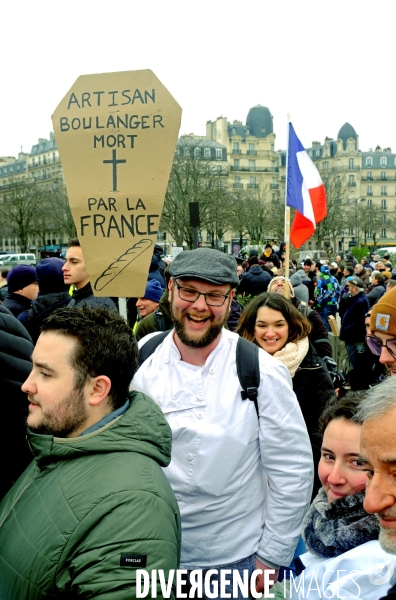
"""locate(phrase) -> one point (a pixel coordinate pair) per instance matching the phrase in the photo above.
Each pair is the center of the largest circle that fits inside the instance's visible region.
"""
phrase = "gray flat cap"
(205, 264)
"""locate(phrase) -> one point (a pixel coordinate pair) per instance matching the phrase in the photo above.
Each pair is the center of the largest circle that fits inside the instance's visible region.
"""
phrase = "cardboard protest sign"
(116, 134)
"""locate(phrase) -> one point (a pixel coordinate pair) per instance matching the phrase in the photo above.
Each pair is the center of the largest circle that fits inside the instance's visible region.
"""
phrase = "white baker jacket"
(243, 485)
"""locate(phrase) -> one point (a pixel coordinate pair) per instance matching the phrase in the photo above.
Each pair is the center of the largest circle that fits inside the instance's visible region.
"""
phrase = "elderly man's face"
(378, 449)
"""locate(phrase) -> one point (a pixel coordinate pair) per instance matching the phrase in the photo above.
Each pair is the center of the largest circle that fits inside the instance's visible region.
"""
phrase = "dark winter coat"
(17, 303)
(353, 329)
(313, 387)
(85, 296)
(254, 282)
(15, 365)
(41, 308)
(85, 506)
(376, 293)
(3, 292)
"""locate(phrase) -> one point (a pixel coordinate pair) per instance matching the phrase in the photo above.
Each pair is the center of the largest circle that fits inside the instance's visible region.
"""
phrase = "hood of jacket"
(49, 300)
(142, 429)
(256, 270)
(296, 279)
(50, 275)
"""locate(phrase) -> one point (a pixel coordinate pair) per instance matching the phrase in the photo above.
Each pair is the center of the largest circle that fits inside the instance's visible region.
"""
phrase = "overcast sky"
(325, 63)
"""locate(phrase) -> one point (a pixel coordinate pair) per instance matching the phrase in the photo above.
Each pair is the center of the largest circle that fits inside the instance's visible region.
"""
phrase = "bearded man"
(223, 454)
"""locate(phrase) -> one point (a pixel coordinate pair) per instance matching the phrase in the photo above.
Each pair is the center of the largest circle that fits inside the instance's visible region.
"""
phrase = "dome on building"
(346, 132)
(259, 121)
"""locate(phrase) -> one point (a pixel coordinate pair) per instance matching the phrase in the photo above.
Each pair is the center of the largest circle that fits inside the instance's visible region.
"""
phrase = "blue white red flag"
(304, 190)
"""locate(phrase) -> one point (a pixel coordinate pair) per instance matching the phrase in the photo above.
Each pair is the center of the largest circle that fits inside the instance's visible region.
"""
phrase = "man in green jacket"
(94, 505)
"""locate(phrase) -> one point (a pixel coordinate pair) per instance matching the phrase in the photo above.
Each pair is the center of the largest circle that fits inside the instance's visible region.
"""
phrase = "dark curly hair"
(105, 345)
(345, 407)
(299, 326)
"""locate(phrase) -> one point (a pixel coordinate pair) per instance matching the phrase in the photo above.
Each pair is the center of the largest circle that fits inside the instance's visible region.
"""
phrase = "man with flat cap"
(243, 480)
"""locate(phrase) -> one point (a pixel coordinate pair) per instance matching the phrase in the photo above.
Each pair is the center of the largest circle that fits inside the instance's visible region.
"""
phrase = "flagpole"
(287, 220)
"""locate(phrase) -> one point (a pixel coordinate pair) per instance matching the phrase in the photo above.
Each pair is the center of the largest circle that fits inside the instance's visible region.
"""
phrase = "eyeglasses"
(211, 298)
(375, 345)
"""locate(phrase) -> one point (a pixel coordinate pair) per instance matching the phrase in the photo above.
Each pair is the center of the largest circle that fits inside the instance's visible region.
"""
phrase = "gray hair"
(378, 401)
(359, 268)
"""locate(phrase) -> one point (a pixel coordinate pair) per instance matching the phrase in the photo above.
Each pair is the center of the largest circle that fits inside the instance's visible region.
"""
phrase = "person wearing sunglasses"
(381, 339)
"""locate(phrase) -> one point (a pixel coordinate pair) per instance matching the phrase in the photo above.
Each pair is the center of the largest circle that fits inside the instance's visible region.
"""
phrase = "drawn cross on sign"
(115, 162)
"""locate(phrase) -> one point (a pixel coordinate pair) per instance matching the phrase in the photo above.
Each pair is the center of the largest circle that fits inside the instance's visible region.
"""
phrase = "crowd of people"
(205, 433)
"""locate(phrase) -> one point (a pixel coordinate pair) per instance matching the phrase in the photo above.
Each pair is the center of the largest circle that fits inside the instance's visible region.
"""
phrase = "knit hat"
(383, 314)
(20, 276)
(281, 278)
(153, 291)
(206, 264)
(356, 281)
(325, 269)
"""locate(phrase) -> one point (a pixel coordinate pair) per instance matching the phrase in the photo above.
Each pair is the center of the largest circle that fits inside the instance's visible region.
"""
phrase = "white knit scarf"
(293, 354)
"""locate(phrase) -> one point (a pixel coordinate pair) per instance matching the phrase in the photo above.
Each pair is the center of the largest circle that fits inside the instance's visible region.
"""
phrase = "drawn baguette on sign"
(122, 262)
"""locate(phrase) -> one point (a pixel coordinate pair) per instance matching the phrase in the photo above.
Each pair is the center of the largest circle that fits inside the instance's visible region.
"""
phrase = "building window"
(369, 161)
(325, 165)
(369, 190)
(252, 165)
(237, 182)
(236, 148)
(252, 182)
(369, 203)
(383, 161)
(219, 154)
(236, 163)
(351, 163)
(206, 152)
(383, 175)
(317, 152)
(251, 149)
(219, 184)
(383, 190)
(383, 204)
(186, 152)
(383, 219)
(369, 176)
(383, 232)
(352, 180)
(351, 145)
(197, 152)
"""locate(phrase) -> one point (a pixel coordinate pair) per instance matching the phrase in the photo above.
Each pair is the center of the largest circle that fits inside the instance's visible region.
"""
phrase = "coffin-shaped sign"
(116, 134)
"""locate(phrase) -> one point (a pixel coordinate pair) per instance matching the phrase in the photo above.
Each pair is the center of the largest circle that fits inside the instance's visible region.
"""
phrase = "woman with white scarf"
(273, 323)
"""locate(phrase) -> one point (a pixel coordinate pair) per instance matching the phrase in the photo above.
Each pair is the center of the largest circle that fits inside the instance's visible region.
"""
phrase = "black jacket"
(85, 296)
(15, 365)
(254, 282)
(353, 329)
(313, 387)
(17, 303)
(41, 308)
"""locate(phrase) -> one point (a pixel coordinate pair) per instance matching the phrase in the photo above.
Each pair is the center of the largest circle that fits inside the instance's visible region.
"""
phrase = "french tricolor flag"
(304, 190)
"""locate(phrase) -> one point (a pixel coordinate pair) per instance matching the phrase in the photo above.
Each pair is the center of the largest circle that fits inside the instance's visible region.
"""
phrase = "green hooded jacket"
(88, 507)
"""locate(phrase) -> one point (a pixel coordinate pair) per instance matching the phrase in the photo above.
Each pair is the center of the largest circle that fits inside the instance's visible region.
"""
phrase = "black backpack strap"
(151, 345)
(248, 369)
